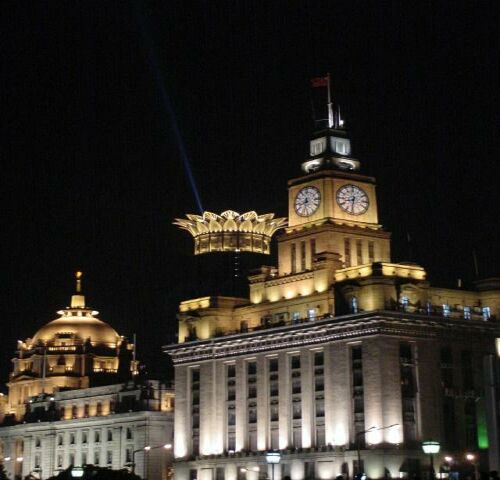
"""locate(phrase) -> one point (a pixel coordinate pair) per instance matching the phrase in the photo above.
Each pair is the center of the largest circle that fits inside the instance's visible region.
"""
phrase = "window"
(273, 364)
(354, 305)
(59, 461)
(347, 252)
(37, 442)
(71, 458)
(97, 436)
(244, 326)
(486, 313)
(86, 409)
(293, 258)
(84, 437)
(60, 440)
(74, 411)
(446, 310)
(311, 313)
(84, 458)
(231, 417)
(252, 368)
(318, 359)
(467, 313)
(37, 461)
(110, 435)
(371, 252)
(97, 458)
(295, 317)
(295, 361)
(71, 438)
(128, 455)
(129, 434)
(99, 409)
(405, 302)
(359, 252)
(302, 256)
(109, 457)
(297, 410)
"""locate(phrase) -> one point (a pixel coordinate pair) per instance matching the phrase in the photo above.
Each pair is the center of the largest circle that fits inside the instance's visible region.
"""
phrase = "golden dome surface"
(77, 322)
(82, 326)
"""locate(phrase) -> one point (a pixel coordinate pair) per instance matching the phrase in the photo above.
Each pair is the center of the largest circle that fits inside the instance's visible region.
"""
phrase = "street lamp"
(431, 448)
(77, 472)
(273, 458)
(472, 459)
(371, 429)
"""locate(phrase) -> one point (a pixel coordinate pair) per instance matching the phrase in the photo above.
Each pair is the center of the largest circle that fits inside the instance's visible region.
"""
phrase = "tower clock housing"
(332, 209)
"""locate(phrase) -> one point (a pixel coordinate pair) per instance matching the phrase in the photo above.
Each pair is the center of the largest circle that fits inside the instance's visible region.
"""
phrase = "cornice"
(396, 324)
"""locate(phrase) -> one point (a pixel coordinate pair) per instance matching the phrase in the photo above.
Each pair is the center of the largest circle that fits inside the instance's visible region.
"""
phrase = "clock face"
(307, 201)
(352, 199)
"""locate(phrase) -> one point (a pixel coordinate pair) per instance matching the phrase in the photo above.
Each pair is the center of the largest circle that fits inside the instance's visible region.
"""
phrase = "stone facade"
(337, 350)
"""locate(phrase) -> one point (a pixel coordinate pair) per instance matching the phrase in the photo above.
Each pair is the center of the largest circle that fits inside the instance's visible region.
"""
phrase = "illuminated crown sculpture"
(231, 232)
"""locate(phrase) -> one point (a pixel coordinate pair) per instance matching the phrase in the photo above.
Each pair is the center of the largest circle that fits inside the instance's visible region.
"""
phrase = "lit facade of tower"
(336, 349)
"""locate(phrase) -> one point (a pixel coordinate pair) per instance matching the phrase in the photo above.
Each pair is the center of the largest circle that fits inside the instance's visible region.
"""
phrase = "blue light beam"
(167, 104)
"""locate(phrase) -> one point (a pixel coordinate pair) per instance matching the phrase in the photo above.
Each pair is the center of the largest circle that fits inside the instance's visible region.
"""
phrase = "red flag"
(319, 82)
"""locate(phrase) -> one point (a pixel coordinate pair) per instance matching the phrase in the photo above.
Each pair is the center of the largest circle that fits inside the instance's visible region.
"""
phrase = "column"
(337, 393)
(284, 398)
(181, 417)
(262, 404)
(307, 389)
(241, 405)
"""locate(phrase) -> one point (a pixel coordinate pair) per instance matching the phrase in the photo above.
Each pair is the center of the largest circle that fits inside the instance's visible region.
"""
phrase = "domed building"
(76, 350)
(75, 399)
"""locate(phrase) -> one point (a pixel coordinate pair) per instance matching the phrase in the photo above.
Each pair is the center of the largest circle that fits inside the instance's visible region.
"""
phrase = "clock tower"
(332, 209)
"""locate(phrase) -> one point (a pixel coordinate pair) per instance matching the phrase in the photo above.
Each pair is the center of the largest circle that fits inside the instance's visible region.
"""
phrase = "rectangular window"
(446, 310)
(486, 313)
(371, 252)
(313, 250)
(311, 314)
(295, 317)
(302, 256)
(295, 362)
(467, 313)
(359, 252)
(251, 368)
(109, 457)
(347, 252)
(84, 458)
(273, 364)
(293, 258)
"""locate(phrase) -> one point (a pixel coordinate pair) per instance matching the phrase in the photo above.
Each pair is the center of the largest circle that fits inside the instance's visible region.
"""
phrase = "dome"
(80, 324)
(77, 322)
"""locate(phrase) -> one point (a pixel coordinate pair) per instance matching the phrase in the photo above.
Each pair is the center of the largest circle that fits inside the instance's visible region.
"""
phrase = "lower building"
(76, 397)
(107, 426)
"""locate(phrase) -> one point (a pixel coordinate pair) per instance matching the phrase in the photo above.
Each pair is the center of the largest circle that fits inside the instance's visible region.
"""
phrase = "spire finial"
(78, 276)
(78, 300)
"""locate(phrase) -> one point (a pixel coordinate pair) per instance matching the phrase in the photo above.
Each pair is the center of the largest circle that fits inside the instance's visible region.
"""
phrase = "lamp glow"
(430, 447)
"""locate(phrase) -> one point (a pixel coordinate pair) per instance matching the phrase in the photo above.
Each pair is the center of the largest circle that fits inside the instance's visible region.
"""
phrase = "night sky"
(92, 169)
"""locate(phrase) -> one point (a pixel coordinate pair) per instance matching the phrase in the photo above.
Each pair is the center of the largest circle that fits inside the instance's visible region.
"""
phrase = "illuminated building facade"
(334, 341)
(76, 397)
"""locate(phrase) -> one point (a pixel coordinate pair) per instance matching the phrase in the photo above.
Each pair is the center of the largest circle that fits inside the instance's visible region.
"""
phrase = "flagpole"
(330, 111)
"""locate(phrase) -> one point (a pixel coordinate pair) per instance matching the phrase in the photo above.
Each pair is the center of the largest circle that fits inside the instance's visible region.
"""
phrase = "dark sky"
(92, 174)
